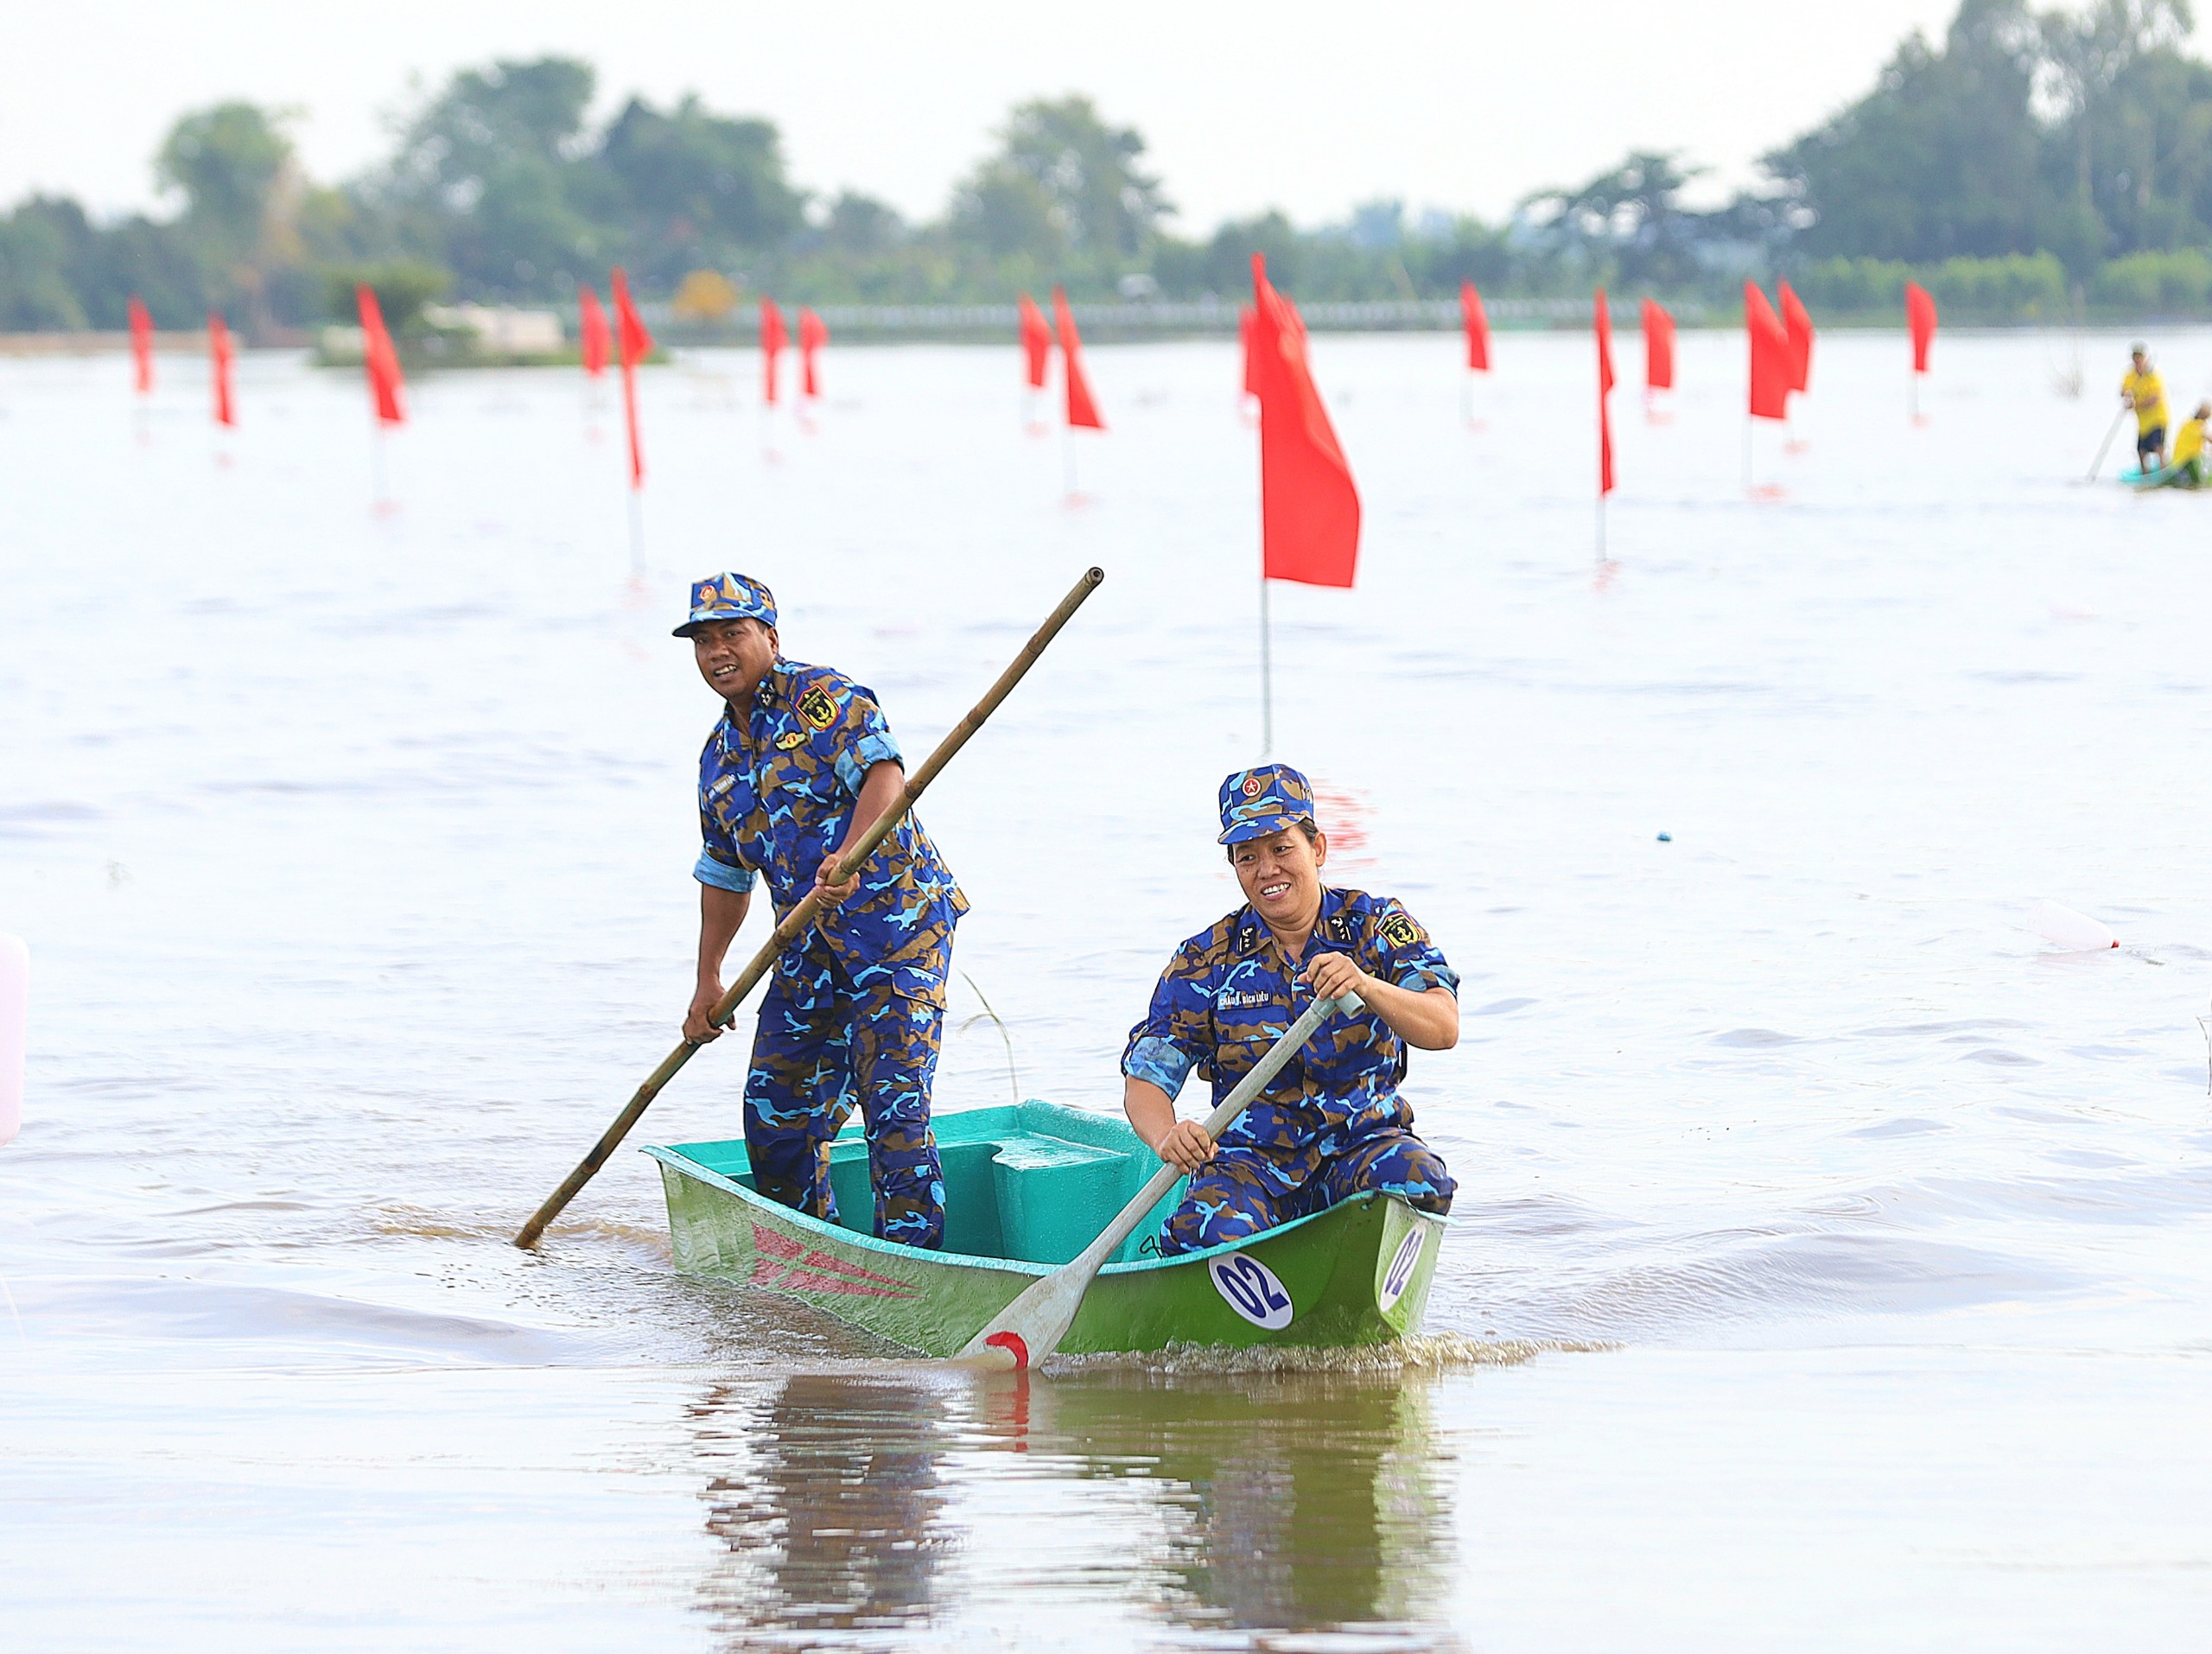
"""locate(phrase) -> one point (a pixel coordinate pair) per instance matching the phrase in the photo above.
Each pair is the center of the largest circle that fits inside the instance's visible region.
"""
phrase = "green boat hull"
(1027, 1187)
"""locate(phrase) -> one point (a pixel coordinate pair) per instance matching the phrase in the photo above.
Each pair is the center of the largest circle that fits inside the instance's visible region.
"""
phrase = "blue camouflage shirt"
(776, 790)
(1227, 995)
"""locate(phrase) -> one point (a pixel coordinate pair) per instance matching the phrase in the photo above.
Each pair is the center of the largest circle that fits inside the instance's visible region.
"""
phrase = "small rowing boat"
(2170, 477)
(1027, 1187)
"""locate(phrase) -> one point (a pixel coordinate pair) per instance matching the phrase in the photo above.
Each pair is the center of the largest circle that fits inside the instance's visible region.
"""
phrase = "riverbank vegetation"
(2026, 166)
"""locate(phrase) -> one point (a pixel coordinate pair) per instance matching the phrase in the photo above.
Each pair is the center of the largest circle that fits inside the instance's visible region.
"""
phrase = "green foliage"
(2016, 288)
(2012, 288)
(2153, 283)
(1854, 286)
(485, 183)
(402, 288)
(227, 162)
(1064, 192)
(235, 168)
(694, 187)
(1629, 220)
(59, 272)
(2018, 160)
(1941, 159)
(2086, 136)
(41, 246)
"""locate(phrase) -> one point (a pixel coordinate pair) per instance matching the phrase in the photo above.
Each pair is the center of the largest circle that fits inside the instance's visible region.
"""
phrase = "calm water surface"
(1832, 1267)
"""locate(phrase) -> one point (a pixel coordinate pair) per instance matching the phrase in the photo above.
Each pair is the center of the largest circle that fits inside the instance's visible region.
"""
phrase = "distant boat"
(1026, 1186)
(2168, 477)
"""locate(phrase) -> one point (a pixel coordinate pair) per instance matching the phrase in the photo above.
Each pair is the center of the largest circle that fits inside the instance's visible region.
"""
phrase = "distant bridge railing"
(1209, 315)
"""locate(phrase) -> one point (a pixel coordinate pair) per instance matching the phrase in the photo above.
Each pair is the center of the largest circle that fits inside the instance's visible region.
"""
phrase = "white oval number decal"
(1252, 1290)
(1402, 1267)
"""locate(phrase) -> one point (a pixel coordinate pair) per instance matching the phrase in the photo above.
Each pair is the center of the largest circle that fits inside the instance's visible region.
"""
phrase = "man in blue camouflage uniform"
(801, 764)
(1331, 1124)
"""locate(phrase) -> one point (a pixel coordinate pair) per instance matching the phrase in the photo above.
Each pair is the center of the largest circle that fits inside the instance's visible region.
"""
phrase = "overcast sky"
(1461, 104)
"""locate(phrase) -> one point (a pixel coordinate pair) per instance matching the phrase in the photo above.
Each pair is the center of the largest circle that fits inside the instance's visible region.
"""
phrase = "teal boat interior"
(1034, 1181)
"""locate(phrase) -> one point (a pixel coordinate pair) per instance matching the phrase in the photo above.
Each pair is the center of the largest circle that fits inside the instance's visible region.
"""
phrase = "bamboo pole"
(794, 924)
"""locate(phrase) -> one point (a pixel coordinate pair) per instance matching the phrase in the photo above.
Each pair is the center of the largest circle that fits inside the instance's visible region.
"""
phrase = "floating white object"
(2076, 932)
(14, 1018)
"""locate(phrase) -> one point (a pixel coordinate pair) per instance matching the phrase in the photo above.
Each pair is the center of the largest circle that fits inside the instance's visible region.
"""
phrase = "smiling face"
(733, 656)
(1281, 877)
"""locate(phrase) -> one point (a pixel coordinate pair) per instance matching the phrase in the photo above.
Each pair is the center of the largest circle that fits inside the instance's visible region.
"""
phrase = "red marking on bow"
(766, 1239)
(778, 1264)
(1013, 1345)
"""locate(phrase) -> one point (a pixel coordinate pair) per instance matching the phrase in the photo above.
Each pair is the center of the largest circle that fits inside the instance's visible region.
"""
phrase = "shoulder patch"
(790, 739)
(1399, 930)
(816, 708)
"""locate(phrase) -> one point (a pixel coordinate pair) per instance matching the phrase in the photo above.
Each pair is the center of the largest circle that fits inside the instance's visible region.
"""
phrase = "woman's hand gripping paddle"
(1031, 1328)
(793, 924)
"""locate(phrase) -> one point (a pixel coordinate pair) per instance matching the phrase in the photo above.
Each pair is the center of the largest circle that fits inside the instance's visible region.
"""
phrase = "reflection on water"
(852, 1507)
(830, 1496)
(1306, 1501)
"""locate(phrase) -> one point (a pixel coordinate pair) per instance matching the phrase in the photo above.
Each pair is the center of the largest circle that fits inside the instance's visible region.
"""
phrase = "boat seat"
(1053, 1195)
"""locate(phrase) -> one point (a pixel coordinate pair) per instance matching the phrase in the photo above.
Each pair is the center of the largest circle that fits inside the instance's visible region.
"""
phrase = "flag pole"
(1267, 676)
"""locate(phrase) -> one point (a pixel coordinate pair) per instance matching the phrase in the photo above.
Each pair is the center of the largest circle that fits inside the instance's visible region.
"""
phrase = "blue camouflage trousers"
(821, 1044)
(1231, 1197)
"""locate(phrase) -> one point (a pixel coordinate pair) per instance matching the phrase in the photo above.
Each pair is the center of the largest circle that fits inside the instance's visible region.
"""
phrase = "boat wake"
(1434, 1353)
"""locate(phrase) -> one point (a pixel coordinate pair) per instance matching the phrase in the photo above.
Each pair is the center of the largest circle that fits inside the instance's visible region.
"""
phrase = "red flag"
(1601, 322)
(1477, 322)
(219, 359)
(1309, 505)
(636, 343)
(1920, 316)
(378, 358)
(1658, 346)
(1082, 410)
(1770, 356)
(141, 345)
(1036, 341)
(1797, 330)
(772, 341)
(591, 331)
(1246, 320)
(813, 333)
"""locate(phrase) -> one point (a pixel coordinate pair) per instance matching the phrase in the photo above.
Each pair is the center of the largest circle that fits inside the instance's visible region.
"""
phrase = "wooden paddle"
(795, 922)
(1031, 1328)
(2098, 464)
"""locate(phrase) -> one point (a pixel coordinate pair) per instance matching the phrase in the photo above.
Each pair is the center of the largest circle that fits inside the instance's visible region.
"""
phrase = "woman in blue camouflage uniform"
(802, 763)
(1331, 1124)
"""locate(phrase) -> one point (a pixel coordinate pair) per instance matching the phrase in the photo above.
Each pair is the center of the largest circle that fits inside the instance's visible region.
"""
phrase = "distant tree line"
(2026, 164)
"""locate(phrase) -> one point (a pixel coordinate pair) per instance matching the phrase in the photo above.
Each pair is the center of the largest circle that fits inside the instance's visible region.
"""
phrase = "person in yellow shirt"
(2145, 392)
(2188, 469)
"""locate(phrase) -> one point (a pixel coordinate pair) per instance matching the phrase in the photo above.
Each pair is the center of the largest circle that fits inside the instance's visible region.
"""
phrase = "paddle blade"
(1036, 1322)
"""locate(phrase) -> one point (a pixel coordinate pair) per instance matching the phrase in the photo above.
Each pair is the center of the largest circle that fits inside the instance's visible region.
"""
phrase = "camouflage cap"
(727, 597)
(1262, 800)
